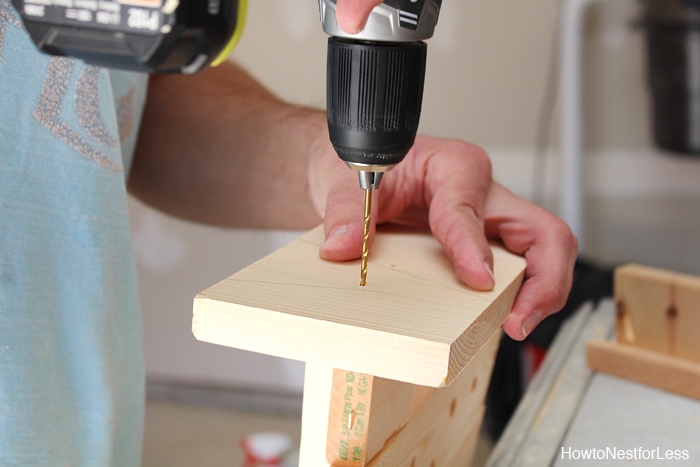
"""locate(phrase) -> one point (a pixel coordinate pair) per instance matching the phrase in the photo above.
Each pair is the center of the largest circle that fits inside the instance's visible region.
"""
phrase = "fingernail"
(530, 323)
(337, 232)
(350, 28)
(489, 269)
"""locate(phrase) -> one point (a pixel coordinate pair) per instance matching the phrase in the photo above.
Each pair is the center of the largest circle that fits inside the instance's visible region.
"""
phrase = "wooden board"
(413, 322)
(671, 373)
(429, 427)
(365, 411)
(658, 310)
(318, 384)
(444, 431)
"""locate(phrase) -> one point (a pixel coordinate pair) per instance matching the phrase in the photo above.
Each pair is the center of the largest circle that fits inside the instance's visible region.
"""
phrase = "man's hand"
(447, 185)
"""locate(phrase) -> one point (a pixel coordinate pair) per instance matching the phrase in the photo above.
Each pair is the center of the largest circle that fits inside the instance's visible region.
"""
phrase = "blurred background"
(491, 80)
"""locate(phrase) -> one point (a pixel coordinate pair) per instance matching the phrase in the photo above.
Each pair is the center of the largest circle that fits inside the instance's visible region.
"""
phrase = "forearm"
(218, 148)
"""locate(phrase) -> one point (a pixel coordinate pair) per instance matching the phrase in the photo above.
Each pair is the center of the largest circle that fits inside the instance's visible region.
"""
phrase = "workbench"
(569, 411)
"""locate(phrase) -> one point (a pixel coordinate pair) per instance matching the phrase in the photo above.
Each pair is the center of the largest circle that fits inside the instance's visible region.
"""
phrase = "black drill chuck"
(374, 97)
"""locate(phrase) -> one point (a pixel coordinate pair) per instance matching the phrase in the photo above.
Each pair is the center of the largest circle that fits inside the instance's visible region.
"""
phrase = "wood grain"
(658, 310)
(442, 432)
(663, 371)
(318, 383)
(365, 412)
(413, 322)
(433, 427)
(657, 317)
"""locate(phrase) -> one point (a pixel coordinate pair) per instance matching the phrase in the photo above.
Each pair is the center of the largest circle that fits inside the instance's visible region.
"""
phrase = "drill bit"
(365, 237)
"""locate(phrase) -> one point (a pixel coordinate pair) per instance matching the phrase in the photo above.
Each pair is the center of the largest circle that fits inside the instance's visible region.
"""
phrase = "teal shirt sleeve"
(71, 363)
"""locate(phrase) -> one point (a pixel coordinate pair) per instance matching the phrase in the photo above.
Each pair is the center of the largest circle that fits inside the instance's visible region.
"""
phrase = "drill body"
(375, 84)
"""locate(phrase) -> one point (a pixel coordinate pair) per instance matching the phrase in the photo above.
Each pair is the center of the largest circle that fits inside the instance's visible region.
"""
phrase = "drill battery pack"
(154, 36)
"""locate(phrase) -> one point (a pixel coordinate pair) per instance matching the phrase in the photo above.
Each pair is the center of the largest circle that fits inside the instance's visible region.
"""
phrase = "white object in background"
(266, 448)
(572, 204)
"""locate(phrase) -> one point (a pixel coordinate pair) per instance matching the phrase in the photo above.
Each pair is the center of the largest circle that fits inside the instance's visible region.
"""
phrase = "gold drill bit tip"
(365, 237)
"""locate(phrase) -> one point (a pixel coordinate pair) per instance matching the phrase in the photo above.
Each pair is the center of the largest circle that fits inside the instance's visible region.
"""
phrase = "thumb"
(351, 15)
(344, 223)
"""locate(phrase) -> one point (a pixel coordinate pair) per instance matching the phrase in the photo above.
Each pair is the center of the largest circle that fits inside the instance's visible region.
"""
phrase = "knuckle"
(480, 158)
(562, 234)
(475, 156)
(556, 296)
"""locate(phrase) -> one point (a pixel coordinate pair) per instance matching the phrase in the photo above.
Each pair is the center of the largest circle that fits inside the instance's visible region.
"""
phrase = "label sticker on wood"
(348, 419)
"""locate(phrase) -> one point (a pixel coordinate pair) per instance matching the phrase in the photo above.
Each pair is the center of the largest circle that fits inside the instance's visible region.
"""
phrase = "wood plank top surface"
(413, 321)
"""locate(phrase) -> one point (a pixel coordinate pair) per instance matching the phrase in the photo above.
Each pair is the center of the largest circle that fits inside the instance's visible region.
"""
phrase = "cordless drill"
(375, 89)
(154, 36)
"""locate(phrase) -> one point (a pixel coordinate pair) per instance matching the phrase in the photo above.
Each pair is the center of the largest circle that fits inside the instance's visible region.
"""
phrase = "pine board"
(658, 310)
(413, 322)
(663, 371)
(441, 429)
(444, 431)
